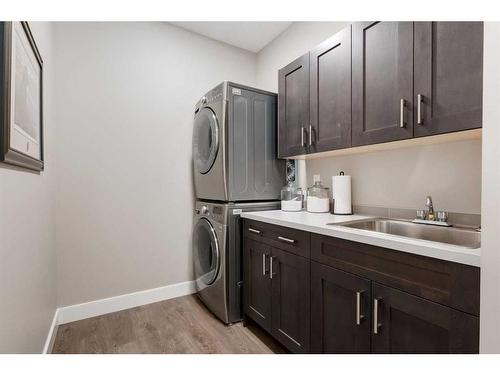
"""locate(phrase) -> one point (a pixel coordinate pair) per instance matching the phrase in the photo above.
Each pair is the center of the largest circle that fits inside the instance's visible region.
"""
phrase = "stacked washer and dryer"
(235, 170)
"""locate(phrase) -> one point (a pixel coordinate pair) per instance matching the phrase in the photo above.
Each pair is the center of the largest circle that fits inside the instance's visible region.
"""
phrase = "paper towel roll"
(341, 191)
(301, 173)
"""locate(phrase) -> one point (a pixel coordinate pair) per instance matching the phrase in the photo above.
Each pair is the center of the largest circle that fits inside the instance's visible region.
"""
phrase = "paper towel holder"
(332, 211)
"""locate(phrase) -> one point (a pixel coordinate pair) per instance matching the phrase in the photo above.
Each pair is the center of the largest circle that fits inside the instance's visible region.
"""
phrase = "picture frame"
(21, 94)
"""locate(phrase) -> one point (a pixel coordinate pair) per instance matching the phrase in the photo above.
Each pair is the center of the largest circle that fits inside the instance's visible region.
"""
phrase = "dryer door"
(205, 139)
(206, 252)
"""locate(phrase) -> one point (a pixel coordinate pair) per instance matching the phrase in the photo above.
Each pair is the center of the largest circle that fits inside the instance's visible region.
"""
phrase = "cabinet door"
(257, 283)
(293, 107)
(340, 311)
(330, 84)
(448, 76)
(382, 82)
(290, 300)
(403, 323)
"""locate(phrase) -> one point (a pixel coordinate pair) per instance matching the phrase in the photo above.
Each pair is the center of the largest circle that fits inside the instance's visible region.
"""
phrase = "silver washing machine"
(235, 145)
(217, 255)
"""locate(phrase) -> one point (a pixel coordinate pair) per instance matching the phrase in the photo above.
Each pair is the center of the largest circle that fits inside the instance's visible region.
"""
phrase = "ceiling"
(252, 36)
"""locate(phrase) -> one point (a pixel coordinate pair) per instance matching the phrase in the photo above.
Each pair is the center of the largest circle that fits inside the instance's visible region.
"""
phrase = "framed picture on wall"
(21, 109)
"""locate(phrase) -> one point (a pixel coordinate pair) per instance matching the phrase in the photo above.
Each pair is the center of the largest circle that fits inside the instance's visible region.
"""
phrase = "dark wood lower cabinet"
(320, 294)
(290, 300)
(410, 324)
(340, 311)
(257, 291)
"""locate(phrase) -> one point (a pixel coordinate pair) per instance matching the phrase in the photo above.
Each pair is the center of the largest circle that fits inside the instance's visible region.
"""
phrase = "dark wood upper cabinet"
(377, 82)
(403, 323)
(340, 311)
(330, 94)
(293, 107)
(257, 290)
(448, 76)
(290, 300)
(382, 82)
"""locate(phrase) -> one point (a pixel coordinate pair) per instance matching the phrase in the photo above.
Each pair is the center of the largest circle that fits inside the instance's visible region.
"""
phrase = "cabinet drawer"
(452, 284)
(291, 240)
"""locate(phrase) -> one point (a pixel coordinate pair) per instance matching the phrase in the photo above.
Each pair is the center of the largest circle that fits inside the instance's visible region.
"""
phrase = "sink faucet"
(430, 208)
(430, 216)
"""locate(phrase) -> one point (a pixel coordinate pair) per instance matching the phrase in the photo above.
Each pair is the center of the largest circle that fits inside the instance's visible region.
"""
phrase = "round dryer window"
(205, 252)
(205, 140)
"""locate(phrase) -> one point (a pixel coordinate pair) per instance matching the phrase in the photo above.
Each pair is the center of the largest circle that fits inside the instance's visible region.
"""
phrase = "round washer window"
(205, 140)
(205, 252)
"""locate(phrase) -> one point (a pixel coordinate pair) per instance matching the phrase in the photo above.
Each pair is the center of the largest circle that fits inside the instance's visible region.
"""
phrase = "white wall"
(125, 97)
(27, 233)
(299, 38)
(490, 237)
(401, 178)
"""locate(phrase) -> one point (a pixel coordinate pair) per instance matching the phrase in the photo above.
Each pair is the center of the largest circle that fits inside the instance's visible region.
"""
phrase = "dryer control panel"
(213, 95)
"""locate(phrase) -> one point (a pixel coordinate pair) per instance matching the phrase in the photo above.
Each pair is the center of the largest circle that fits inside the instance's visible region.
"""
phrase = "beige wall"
(402, 178)
(490, 237)
(125, 96)
(449, 172)
(27, 235)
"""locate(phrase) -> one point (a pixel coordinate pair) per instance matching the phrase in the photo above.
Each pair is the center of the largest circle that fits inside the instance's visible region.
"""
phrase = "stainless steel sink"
(465, 237)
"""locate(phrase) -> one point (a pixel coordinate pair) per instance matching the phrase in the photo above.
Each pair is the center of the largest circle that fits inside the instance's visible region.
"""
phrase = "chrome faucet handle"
(442, 216)
(421, 214)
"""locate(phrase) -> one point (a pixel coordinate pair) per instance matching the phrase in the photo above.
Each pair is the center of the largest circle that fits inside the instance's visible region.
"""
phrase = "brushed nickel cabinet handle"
(402, 105)
(303, 138)
(289, 240)
(420, 99)
(376, 324)
(264, 264)
(311, 130)
(359, 316)
(254, 231)
(271, 267)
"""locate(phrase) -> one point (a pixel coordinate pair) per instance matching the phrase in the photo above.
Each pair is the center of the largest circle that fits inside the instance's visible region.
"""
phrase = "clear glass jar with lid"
(318, 196)
(291, 197)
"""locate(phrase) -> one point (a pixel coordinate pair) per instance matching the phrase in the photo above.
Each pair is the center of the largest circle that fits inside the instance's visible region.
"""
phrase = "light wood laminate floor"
(179, 325)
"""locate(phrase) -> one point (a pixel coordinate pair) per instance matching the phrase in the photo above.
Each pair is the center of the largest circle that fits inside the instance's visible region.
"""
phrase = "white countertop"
(317, 223)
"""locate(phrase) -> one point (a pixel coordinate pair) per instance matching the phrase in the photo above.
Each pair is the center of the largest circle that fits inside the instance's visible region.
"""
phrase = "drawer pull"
(359, 316)
(256, 231)
(289, 240)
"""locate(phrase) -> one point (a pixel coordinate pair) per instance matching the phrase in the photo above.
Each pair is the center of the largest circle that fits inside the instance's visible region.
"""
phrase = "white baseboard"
(86, 310)
(51, 336)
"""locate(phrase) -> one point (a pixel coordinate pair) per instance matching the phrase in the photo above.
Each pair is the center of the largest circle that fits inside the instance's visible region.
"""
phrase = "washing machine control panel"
(217, 213)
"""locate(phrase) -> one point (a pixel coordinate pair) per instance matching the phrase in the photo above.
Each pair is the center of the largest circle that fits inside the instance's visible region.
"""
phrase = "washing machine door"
(205, 139)
(206, 253)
